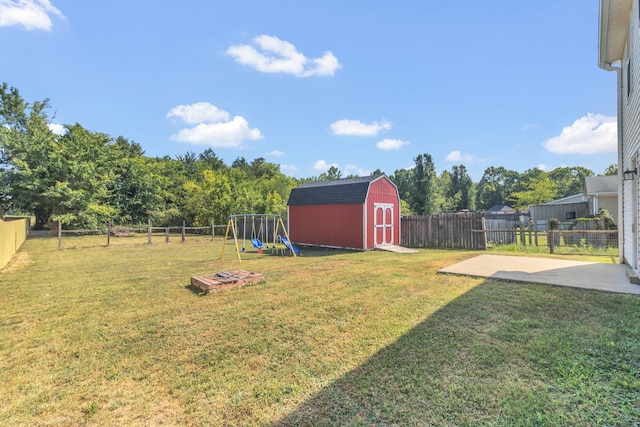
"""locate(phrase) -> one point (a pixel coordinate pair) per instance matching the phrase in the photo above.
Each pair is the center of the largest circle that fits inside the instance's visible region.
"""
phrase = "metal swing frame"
(231, 227)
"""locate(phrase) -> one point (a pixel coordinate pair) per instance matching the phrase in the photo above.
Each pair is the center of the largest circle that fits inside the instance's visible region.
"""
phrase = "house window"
(570, 215)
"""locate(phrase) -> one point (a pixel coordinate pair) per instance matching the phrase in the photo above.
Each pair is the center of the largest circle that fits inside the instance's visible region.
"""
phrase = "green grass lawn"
(115, 336)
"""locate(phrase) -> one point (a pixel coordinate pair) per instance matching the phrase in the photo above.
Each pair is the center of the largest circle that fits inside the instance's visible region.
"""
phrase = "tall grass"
(116, 336)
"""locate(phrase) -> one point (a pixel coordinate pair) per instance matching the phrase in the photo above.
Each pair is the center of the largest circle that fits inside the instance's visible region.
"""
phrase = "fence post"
(484, 233)
(149, 231)
(183, 232)
(108, 233)
(166, 235)
(550, 238)
(213, 234)
(59, 235)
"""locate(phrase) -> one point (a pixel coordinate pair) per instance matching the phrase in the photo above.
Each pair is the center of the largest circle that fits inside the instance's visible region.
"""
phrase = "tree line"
(84, 179)
(425, 192)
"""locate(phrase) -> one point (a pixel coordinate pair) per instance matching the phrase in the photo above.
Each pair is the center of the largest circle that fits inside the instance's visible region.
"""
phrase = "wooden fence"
(473, 230)
(245, 231)
(13, 232)
(149, 231)
(445, 231)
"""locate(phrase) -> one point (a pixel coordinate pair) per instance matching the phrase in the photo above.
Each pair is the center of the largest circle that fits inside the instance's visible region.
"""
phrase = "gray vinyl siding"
(631, 133)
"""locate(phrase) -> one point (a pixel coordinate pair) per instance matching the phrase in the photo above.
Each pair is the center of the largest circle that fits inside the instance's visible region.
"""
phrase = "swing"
(255, 237)
(257, 233)
(266, 233)
(244, 234)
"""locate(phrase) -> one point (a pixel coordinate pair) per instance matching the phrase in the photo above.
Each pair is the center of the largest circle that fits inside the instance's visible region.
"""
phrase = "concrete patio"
(576, 274)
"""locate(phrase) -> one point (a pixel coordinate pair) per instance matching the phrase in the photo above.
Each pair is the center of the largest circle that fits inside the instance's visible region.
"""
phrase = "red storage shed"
(356, 213)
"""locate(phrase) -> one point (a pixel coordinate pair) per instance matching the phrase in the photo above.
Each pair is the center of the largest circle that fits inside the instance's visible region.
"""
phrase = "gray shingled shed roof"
(500, 208)
(601, 185)
(344, 191)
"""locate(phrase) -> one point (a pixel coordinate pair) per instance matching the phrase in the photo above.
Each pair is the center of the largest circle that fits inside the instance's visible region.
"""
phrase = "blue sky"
(360, 85)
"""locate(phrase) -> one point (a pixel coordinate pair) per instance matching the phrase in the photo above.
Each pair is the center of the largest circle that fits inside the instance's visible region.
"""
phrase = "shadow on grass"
(307, 252)
(501, 354)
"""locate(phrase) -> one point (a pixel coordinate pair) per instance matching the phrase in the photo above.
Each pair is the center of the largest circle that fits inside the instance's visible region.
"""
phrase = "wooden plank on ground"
(225, 280)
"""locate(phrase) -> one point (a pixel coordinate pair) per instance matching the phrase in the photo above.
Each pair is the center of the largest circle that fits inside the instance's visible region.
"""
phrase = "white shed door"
(383, 218)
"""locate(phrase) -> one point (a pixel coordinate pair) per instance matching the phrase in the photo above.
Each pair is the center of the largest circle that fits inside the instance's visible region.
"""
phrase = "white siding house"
(601, 192)
(619, 51)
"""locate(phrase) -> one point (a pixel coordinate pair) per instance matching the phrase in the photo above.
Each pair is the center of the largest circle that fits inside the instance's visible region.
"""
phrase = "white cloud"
(31, 14)
(590, 134)
(323, 166)
(543, 167)
(457, 156)
(391, 144)
(356, 127)
(57, 129)
(454, 156)
(529, 126)
(199, 112)
(213, 127)
(226, 135)
(327, 65)
(275, 153)
(280, 56)
(288, 169)
(355, 170)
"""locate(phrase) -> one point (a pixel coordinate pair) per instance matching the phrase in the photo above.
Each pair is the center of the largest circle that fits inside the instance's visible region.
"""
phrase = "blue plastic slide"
(290, 245)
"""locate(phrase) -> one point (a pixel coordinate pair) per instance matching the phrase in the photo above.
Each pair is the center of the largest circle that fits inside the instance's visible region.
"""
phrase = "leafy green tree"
(144, 188)
(245, 197)
(443, 201)
(461, 189)
(405, 210)
(274, 193)
(569, 180)
(261, 168)
(402, 178)
(57, 178)
(274, 203)
(189, 162)
(209, 199)
(78, 178)
(166, 197)
(423, 186)
(527, 177)
(612, 169)
(332, 173)
(539, 190)
(495, 187)
(241, 164)
(25, 143)
(211, 160)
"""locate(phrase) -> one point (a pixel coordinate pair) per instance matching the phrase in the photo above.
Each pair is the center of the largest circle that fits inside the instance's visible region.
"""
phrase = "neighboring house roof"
(335, 192)
(612, 32)
(500, 208)
(601, 185)
(576, 198)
